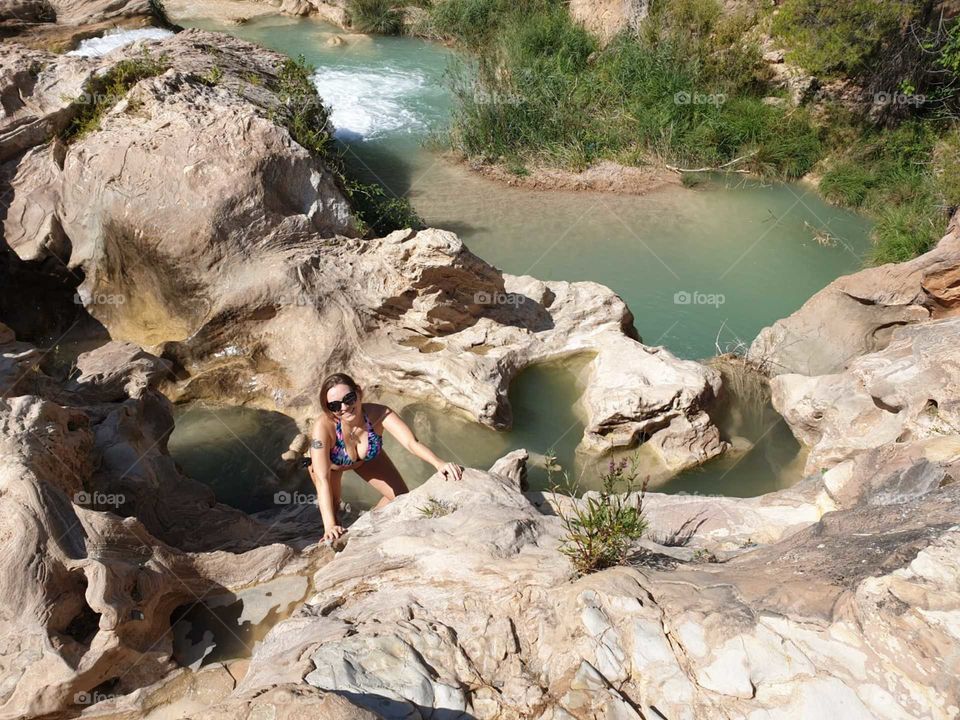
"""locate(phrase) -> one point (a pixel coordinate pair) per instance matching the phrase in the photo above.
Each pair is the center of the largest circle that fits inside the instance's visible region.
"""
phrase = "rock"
(773, 56)
(824, 613)
(513, 466)
(117, 371)
(856, 314)
(607, 18)
(103, 538)
(908, 391)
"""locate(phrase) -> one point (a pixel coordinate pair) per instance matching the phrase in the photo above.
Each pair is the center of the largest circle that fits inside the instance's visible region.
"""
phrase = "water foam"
(113, 39)
(368, 103)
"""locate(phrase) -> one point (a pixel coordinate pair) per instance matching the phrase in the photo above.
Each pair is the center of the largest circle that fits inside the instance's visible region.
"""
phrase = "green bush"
(382, 17)
(301, 109)
(600, 530)
(378, 212)
(105, 91)
(841, 37)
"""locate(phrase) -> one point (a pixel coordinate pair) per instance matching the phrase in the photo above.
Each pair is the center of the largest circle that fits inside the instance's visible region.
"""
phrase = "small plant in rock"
(104, 92)
(600, 529)
(213, 76)
(435, 508)
(300, 109)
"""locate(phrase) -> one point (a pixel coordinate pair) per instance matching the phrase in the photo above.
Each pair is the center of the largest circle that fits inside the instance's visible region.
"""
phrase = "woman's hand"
(451, 471)
(333, 533)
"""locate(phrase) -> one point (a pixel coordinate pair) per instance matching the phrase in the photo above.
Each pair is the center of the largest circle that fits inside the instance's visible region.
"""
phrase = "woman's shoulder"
(321, 426)
(376, 412)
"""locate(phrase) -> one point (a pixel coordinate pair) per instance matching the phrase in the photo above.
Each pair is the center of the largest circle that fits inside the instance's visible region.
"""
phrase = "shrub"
(378, 212)
(300, 109)
(832, 37)
(599, 531)
(107, 90)
(382, 17)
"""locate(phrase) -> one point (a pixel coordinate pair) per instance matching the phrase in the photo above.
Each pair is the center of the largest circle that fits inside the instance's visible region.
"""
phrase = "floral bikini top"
(338, 454)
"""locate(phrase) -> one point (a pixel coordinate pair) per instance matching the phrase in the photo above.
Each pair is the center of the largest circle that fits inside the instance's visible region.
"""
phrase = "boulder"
(856, 314)
(908, 391)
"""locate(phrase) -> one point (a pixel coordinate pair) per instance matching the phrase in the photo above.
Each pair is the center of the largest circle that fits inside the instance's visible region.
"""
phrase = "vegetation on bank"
(691, 89)
(302, 112)
(382, 17)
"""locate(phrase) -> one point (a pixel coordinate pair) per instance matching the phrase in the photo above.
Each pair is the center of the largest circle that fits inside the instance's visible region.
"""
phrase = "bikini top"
(338, 454)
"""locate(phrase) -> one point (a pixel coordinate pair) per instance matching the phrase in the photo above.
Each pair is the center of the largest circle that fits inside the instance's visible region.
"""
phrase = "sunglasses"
(349, 399)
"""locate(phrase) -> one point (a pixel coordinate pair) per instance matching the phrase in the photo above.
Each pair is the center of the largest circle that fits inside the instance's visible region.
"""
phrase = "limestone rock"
(910, 390)
(607, 18)
(88, 498)
(856, 314)
(476, 613)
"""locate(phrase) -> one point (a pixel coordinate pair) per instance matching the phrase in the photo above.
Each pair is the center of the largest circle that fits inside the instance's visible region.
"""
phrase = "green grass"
(906, 178)
(382, 17)
(688, 90)
(105, 91)
(541, 90)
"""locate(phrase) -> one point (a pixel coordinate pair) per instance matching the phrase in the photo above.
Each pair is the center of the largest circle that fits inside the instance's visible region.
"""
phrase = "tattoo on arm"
(316, 445)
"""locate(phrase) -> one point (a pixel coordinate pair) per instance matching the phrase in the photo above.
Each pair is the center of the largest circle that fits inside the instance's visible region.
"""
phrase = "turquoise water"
(702, 269)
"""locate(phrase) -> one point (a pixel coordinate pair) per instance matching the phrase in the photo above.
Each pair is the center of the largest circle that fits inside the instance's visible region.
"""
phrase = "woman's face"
(348, 412)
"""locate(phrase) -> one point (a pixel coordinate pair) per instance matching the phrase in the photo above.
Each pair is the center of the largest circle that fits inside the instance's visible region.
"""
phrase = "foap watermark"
(683, 297)
(498, 298)
(294, 498)
(482, 96)
(696, 98)
(90, 697)
(899, 98)
(99, 298)
(99, 499)
(299, 299)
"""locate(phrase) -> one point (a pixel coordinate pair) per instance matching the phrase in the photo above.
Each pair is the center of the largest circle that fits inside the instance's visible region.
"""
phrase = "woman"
(349, 436)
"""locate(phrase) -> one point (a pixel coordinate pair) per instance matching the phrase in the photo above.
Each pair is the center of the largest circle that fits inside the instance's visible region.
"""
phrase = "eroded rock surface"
(96, 524)
(476, 613)
(908, 391)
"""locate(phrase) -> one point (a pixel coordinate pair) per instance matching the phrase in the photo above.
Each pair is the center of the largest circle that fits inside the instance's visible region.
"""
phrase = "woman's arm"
(404, 435)
(320, 464)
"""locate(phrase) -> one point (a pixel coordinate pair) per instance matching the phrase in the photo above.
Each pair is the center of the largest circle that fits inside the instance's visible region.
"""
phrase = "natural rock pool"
(702, 269)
